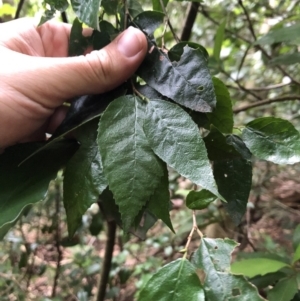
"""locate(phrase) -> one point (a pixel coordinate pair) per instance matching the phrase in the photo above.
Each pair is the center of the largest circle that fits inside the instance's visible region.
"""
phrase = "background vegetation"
(261, 72)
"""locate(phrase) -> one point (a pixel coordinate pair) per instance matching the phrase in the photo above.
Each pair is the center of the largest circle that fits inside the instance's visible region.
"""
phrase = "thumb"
(53, 80)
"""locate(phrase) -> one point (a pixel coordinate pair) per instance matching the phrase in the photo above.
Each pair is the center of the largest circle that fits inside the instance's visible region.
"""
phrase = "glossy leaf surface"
(232, 170)
(131, 168)
(273, 139)
(187, 82)
(198, 200)
(222, 115)
(213, 258)
(175, 138)
(175, 281)
(28, 183)
(87, 11)
(84, 179)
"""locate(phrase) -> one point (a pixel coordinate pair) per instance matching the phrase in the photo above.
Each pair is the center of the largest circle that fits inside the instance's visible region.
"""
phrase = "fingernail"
(130, 42)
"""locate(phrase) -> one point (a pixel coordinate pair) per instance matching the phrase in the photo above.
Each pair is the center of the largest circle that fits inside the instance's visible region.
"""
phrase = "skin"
(37, 77)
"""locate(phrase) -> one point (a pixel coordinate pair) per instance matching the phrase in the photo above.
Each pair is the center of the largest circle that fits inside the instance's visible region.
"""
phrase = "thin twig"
(207, 16)
(240, 85)
(19, 8)
(259, 47)
(271, 87)
(64, 17)
(168, 20)
(248, 19)
(57, 236)
(106, 265)
(243, 60)
(265, 102)
(189, 21)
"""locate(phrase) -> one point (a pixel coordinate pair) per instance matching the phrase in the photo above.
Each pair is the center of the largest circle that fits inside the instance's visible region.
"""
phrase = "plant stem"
(19, 8)
(265, 102)
(169, 23)
(64, 17)
(189, 21)
(109, 248)
(57, 235)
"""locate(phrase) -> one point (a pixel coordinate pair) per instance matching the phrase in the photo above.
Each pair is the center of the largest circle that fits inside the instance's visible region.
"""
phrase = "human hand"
(37, 77)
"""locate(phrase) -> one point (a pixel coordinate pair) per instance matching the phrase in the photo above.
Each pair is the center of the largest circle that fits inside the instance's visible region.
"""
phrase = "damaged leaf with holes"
(213, 260)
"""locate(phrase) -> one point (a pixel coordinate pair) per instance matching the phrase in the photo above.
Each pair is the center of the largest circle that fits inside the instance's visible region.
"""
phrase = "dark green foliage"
(213, 258)
(84, 179)
(132, 169)
(273, 139)
(187, 81)
(198, 200)
(175, 138)
(171, 113)
(232, 171)
(175, 281)
(25, 184)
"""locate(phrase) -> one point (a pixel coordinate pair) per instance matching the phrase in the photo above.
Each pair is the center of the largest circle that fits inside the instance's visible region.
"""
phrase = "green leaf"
(134, 8)
(257, 266)
(60, 5)
(222, 115)
(78, 43)
(187, 82)
(148, 21)
(28, 183)
(84, 179)
(286, 59)
(47, 15)
(177, 50)
(285, 34)
(132, 169)
(156, 4)
(232, 171)
(175, 138)
(110, 211)
(198, 200)
(100, 40)
(284, 290)
(219, 38)
(262, 282)
(213, 259)
(273, 139)
(296, 237)
(159, 203)
(107, 27)
(296, 256)
(87, 11)
(96, 225)
(176, 281)
(84, 109)
(110, 6)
